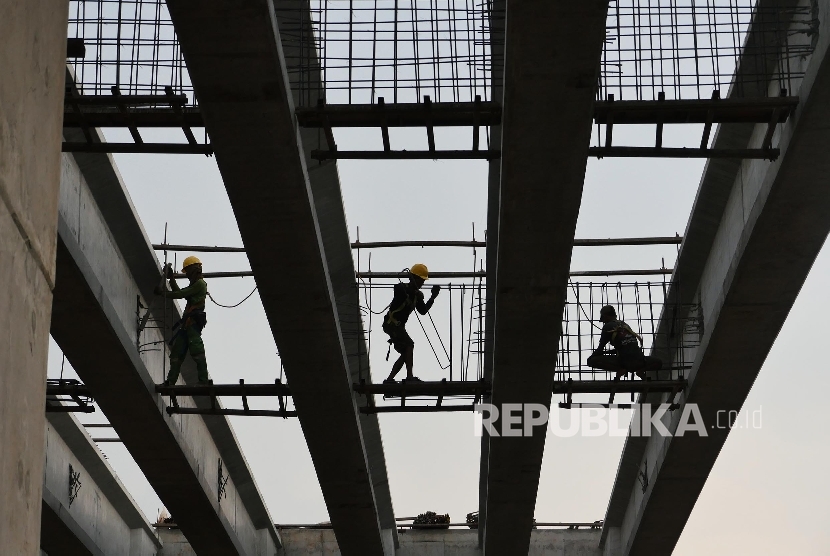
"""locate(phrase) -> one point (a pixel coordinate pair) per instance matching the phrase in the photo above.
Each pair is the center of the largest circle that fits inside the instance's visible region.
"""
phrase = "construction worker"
(628, 345)
(188, 331)
(407, 297)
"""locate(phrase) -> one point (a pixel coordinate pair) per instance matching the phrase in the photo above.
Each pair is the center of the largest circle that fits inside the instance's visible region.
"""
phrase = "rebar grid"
(641, 305)
(355, 51)
(687, 49)
(402, 50)
(130, 44)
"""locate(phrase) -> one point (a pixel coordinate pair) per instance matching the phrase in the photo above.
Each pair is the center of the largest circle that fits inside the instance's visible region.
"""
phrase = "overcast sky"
(767, 493)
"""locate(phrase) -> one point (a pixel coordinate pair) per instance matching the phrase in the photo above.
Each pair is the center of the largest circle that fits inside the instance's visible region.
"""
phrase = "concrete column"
(32, 59)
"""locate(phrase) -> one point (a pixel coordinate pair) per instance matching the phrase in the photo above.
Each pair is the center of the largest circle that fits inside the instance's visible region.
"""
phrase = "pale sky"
(767, 493)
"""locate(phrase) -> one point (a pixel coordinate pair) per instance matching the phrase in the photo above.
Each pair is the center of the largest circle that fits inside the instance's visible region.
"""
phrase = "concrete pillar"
(32, 58)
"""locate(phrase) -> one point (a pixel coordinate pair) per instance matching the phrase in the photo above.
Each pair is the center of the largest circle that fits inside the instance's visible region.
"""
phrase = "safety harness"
(623, 331)
(390, 319)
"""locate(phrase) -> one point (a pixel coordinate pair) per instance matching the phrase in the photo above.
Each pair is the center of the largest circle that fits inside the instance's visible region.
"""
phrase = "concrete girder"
(102, 519)
(334, 233)
(552, 59)
(105, 264)
(753, 235)
(497, 12)
(236, 62)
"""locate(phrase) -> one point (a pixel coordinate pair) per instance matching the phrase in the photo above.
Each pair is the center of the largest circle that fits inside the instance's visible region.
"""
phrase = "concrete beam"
(755, 230)
(497, 12)
(106, 265)
(31, 91)
(334, 233)
(102, 519)
(552, 55)
(235, 60)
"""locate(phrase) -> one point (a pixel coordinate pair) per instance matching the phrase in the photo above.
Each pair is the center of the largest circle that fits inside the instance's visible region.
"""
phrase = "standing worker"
(188, 337)
(628, 345)
(407, 297)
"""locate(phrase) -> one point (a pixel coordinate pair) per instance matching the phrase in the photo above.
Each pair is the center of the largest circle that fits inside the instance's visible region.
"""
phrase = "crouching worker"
(187, 335)
(408, 297)
(628, 345)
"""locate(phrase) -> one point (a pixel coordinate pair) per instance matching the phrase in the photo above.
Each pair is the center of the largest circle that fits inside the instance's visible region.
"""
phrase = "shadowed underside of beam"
(552, 55)
(234, 57)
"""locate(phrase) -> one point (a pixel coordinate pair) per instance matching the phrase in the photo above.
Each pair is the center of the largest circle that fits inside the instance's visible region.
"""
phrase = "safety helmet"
(608, 310)
(191, 260)
(420, 271)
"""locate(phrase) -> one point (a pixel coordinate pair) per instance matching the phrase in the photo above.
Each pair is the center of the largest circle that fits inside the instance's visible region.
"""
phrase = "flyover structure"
(753, 235)
(536, 225)
(107, 268)
(260, 153)
(542, 86)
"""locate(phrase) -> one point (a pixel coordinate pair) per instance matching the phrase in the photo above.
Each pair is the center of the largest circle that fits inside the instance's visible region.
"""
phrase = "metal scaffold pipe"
(588, 242)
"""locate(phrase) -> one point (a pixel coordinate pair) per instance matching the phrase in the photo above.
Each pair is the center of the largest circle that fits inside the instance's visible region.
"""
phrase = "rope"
(581, 308)
(430, 343)
(233, 306)
(366, 300)
(439, 335)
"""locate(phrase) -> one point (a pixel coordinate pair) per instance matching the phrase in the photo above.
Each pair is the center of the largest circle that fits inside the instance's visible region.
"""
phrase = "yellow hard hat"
(420, 271)
(191, 260)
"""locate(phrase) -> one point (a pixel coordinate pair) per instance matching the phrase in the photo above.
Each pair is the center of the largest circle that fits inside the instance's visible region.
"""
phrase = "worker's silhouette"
(408, 297)
(629, 356)
(188, 331)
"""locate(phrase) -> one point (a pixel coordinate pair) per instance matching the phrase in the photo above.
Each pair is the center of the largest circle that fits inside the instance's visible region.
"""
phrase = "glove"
(168, 271)
(435, 289)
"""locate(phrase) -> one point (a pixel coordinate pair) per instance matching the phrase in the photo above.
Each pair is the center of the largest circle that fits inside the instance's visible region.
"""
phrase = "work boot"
(390, 381)
(413, 379)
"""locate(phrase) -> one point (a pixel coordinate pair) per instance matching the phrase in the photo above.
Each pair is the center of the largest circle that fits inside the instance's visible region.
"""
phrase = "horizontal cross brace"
(599, 152)
(232, 412)
(669, 240)
(418, 388)
(483, 273)
(405, 155)
(728, 110)
(251, 390)
(439, 114)
(137, 148)
(84, 408)
(616, 386)
(105, 116)
(416, 409)
(681, 152)
(130, 100)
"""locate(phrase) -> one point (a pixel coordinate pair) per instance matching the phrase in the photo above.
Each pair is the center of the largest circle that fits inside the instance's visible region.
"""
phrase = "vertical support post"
(430, 130)
(661, 96)
(609, 124)
(384, 126)
(707, 128)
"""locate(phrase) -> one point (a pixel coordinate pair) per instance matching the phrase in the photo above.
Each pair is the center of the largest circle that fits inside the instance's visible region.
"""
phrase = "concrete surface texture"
(96, 282)
(455, 542)
(31, 108)
(99, 517)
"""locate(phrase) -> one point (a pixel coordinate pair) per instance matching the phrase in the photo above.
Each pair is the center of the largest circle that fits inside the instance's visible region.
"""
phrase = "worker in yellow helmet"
(407, 297)
(188, 331)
